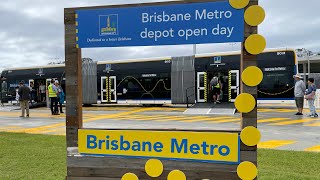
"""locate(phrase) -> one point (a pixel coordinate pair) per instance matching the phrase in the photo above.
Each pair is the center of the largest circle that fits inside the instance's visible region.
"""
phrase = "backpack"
(214, 81)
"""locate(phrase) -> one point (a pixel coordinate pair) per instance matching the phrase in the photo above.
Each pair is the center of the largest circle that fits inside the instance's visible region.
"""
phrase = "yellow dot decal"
(239, 4)
(250, 136)
(154, 168)
(247, 171)
(255, 44)
(176, 175)
(252, 76)
(245, 103)
(254, 15)
(129, 176)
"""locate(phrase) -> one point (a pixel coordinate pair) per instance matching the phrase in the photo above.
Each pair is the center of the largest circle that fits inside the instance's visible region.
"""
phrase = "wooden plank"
(248, 119)
(116, 173)
(73, 81)
(248, 156)
(171, 129)
(137, 163)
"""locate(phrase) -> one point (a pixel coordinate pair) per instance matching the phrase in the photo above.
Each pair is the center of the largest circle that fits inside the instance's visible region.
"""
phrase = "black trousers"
(54, 102)
(60, 105)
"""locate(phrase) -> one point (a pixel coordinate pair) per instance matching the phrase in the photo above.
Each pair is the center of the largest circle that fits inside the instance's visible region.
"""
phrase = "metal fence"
(89, 82)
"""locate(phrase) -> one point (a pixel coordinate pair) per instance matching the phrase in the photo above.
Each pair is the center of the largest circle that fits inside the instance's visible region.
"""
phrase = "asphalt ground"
(280, 128)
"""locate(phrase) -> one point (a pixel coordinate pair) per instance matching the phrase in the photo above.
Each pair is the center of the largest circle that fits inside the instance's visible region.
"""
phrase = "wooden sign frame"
(107, 168)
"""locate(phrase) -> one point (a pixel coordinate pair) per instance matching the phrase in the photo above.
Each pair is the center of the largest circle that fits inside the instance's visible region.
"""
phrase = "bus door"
(234, 86)
(104, 94)
(113, 88)
(31, 81)
(201, 86)
(108, 89)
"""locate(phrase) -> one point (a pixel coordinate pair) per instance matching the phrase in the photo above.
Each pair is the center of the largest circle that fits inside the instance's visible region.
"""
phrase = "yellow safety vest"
(52, 93)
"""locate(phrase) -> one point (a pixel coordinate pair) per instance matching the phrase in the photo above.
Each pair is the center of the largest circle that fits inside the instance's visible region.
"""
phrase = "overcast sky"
(32, 31)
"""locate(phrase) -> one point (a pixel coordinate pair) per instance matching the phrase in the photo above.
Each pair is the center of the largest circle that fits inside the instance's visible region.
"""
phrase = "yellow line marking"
(275, 143)
(61, 134)
(160, 118)
(60, 129)
(47, 127)
(8, 128)
(139, 118)
(272, 120)
(268, 110)
(143, 116)
(225, 120)
(294, 121)
(277, 110)
(206, 118)
(288, 110)
(173, 118)
(313, 148)
(313, 124)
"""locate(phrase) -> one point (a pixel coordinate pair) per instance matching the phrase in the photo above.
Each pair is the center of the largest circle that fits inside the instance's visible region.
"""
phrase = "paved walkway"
(280, 128)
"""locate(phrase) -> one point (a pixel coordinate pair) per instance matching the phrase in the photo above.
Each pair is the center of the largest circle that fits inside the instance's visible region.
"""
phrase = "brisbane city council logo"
(108, 24)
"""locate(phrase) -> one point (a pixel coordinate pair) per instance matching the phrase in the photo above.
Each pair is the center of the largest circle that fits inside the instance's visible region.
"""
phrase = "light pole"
(308, 56)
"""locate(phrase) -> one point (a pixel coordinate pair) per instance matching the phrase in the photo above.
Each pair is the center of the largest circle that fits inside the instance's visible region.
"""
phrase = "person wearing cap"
(60, 95)
(299, 91)
(53, 94)
(24, 97)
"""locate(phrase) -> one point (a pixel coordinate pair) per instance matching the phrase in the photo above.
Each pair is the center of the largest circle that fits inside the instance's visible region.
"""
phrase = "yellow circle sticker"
(239, 4)
(154, 167)
(245, 103)
(176, 175)
(129, 176)
(250, 136)
(247, 171)
(254, 15)
(252, 76)
(255, 44)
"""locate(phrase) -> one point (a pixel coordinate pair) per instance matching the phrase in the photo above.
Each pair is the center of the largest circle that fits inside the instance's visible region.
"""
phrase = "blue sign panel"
(108, 67)
(196, 23)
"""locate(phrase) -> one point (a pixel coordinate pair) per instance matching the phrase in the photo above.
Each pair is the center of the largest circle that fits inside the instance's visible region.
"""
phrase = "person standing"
(299, 91)
(32, 93)
(60, 95)
(42, 91)
(310, 96)
(24, 97)
(53, 91)
(216, 89)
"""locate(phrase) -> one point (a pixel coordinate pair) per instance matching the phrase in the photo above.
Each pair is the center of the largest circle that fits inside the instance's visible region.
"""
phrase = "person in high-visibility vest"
(53, 91)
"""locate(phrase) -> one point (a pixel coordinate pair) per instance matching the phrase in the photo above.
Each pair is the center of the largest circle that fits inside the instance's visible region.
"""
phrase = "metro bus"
(164, 80)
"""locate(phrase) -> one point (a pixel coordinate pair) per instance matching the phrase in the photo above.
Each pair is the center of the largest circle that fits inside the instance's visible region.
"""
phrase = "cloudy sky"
(32, 31)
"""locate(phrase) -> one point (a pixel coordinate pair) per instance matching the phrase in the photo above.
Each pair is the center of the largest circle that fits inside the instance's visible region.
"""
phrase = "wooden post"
(249, 119)
(73, 80)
